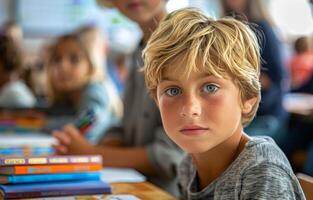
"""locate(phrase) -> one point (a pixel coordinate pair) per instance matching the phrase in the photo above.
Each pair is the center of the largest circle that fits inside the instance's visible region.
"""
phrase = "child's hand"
(72, 142)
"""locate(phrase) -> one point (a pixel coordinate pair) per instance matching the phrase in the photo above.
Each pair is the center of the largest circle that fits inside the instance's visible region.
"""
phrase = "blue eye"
(173, 91)
(210, 88)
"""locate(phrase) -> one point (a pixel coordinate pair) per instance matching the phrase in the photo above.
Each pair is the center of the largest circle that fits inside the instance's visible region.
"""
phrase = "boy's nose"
(191, 107)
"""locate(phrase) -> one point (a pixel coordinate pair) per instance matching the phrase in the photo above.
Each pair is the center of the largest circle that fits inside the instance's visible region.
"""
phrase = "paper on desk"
(121, 197)
(121, 175)
(26, 139)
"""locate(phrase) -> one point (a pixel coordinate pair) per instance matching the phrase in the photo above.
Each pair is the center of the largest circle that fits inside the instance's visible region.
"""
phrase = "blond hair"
(223, 48)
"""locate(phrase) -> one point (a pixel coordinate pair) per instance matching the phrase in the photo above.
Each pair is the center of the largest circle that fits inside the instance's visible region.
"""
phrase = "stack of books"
(21, 121)
(51, 176)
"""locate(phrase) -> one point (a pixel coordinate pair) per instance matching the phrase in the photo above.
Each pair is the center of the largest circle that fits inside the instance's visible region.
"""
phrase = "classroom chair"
(306, 183)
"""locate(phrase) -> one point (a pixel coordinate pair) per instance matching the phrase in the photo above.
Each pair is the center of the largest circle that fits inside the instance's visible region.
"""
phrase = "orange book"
(50, 169)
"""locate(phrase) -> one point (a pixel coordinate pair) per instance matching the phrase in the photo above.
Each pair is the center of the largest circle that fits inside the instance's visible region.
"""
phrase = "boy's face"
(140, 11)
(201, 111)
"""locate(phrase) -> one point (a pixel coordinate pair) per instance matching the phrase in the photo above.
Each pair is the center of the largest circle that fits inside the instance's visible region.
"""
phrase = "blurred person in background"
(13, 91)
(301, 65)
(308, 166)
(139, 142)
(15, 32)
(271, 118)
(77, 80)
(299, 143)
(118, 70)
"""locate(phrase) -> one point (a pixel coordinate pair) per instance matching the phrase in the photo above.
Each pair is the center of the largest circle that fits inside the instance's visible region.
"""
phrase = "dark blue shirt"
(272, 66)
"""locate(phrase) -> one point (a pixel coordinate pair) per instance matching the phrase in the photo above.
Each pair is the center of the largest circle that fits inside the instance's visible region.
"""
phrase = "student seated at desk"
(13, 91)
(204, 77)
(76, 80)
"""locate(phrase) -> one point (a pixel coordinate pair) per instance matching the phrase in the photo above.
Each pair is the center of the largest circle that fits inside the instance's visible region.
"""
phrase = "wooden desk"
(144, 191)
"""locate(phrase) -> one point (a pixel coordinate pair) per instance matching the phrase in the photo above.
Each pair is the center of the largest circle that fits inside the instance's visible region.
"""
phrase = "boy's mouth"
(193, 130)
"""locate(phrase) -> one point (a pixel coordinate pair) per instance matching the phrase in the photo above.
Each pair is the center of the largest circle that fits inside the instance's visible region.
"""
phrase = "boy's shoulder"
(261, 163)
(266, 172)
(258, 152)
(260, 149)
(264, 148)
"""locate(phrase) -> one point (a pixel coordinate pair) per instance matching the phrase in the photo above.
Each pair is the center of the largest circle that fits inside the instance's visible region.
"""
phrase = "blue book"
(26, 151)
(32, 190)
(13, 179)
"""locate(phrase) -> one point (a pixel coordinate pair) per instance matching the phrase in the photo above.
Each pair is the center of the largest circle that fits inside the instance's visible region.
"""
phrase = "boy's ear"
(248, 105)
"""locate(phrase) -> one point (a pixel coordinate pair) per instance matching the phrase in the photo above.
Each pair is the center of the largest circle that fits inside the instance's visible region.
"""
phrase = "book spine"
(53, 177)
(50, 160)
(47, 169)
(32, 151)
(57, 193)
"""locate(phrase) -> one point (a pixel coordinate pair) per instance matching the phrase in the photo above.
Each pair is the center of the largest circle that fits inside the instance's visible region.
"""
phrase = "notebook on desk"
(37, 139)
(121, 175)
(28, 144)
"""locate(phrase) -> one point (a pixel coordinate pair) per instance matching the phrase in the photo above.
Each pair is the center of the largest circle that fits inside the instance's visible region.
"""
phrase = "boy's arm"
(129, 157)
(161, 156)
(111, 141)
(71, 142)
(268, 181)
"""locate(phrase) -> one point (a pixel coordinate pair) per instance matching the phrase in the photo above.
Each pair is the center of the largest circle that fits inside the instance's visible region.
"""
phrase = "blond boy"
(204, 77)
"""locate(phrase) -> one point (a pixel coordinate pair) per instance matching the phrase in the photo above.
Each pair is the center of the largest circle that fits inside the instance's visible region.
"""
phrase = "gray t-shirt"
(261, 171)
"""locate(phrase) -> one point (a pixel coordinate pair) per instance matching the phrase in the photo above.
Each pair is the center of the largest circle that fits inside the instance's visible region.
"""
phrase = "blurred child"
(301, 64)
(139, 141)
(271, 118)
(15, 32)
(204, 77)
(13, 91)
(76, 79)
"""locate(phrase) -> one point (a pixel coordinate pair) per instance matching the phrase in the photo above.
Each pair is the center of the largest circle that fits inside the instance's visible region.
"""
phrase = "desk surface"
(143, 191)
